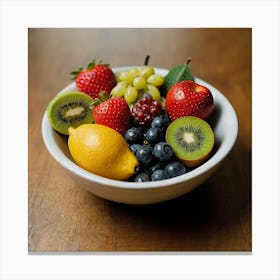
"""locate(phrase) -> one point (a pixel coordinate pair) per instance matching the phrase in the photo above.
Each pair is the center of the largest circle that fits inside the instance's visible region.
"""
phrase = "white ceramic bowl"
(225, 125)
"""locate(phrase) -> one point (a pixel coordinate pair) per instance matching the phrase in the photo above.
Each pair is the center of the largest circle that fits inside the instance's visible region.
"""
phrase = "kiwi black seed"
(68, 109)
(191, 138)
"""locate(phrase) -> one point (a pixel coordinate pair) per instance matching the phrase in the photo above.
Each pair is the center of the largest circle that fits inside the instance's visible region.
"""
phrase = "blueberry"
(174, 169)
(162, 151)
(134, 147)
(147, 95)
(159, 174)
(160, 121)
(142, 177)
(134, 135)
(154, 135)
(145, 154)
(158, 165)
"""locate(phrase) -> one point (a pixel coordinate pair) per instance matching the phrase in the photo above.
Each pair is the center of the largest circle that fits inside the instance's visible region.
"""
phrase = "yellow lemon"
(102, 151)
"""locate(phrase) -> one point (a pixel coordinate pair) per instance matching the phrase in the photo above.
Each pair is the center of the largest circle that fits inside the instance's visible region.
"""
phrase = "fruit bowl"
(225, 126)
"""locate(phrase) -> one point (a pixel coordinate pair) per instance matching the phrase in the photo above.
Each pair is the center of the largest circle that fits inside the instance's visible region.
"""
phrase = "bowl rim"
(70, 165)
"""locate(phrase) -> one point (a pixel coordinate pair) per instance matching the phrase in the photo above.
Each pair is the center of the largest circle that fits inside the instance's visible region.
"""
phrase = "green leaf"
(175, 75)
(94, 103)
(103, 96)
(91, 65)
(76, 73)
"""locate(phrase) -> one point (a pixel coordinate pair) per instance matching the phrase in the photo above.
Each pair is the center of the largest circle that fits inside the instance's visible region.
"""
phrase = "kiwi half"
(191, 138)
(68, 109)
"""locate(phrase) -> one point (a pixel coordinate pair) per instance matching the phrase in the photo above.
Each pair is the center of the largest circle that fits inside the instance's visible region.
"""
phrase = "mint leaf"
(175, 75)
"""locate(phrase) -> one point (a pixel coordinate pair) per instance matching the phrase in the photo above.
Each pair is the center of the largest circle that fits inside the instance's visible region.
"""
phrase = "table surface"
(63, 217)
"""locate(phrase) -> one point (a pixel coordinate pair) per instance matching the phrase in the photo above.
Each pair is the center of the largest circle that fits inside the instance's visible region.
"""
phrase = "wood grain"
(214, 217)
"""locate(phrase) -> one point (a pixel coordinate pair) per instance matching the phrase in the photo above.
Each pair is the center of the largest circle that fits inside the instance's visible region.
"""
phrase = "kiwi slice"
(70, 108)
(191, 138)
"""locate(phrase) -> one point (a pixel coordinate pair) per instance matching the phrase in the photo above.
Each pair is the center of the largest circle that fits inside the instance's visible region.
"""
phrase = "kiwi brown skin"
(69, 109)
(194, 163)
(202, 127)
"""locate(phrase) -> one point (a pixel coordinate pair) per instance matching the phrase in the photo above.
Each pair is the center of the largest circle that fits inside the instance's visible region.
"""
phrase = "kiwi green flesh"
(69, 109)
(191, 139)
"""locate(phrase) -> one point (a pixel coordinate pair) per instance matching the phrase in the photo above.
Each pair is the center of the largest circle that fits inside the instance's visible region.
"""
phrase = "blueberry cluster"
(156, 158)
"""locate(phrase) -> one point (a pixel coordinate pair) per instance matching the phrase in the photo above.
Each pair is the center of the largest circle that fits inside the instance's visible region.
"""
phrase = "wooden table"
(214, 217)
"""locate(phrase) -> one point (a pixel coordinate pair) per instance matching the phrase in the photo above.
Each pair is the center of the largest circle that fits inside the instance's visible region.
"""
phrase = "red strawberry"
(94, 79)
(113, 113)
(188, 98)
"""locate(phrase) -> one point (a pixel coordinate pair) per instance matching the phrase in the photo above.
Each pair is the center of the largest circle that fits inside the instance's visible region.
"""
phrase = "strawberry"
(188, 98)
(94, 79)
(113, 112)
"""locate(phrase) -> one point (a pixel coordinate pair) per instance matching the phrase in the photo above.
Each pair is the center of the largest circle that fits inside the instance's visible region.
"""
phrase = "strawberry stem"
(91, 65)
(189, 60)
(94, 103)
(103, 96)
(76, 73)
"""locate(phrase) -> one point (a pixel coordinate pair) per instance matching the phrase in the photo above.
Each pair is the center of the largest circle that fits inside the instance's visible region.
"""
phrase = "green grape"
(123, 83)
(139, 82)
(153, 91)
(146, 71)
(155, 80)
(126, 76)
(134, 72)
(119, 89)
(130, 94)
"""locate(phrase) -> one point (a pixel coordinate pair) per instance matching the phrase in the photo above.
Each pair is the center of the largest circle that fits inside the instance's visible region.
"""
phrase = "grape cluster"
(156, 158)
(133, 83)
